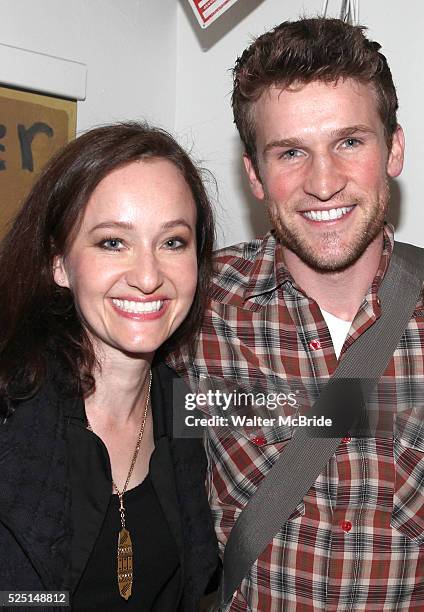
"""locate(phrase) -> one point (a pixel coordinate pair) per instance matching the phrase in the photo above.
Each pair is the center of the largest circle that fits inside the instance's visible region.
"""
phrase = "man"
(315, 106)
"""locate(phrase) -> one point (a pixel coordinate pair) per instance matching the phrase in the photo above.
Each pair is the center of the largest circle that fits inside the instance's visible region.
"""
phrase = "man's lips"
(328, 214)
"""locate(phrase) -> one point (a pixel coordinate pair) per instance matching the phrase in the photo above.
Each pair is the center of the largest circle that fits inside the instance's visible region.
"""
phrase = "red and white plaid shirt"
(356, 542)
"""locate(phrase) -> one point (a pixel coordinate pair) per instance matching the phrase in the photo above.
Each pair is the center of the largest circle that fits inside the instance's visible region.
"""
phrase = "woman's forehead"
(150, 191)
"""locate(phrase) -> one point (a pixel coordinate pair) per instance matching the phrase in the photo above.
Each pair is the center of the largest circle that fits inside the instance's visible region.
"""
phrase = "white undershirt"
(338, 329)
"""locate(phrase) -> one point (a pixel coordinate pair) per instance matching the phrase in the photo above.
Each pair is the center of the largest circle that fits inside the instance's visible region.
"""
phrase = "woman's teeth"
(327, 215)
(138, 307)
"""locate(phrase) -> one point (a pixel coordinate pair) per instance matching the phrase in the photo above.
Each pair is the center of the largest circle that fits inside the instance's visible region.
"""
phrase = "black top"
(155, 556)
(55, 485)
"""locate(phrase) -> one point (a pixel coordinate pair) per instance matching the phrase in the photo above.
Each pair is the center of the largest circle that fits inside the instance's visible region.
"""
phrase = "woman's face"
(132, 267)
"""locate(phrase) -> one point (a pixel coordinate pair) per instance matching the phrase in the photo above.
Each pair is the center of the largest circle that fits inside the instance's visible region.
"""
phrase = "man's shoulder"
(242, 251)
(238, 267)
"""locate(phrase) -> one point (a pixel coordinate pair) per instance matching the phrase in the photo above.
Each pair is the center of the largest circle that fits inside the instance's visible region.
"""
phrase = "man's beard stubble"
(291, 238)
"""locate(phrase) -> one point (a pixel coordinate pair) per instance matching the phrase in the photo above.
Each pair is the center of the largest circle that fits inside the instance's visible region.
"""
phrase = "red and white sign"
(207, 11)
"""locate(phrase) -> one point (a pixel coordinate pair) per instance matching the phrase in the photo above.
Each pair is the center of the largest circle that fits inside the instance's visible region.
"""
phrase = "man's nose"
(325, 177)
(144, 272)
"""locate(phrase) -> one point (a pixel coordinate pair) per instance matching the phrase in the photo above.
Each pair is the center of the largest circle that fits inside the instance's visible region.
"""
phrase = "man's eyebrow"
(284, 143)
(129, 226)
(298, 143)
(352, 130)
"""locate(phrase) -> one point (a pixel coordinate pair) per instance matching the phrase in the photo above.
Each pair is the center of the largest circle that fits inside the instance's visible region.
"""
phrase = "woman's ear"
(59, 272)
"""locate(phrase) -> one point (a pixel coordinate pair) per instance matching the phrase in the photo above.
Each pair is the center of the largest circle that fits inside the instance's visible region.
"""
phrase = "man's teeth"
(138, 307)
(327, 215)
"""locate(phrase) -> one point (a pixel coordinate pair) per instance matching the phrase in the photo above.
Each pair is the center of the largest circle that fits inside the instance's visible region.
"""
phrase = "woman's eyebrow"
(112, 224)
(176, 223)
(129, 226)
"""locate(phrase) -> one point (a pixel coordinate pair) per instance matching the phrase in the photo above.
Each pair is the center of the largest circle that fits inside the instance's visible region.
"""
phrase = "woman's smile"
(142, 310)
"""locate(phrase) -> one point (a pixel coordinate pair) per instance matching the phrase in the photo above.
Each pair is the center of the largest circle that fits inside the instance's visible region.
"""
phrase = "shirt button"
(259, 440)
(346, 526)
(346, 439)
(315, 345)
(378, 302)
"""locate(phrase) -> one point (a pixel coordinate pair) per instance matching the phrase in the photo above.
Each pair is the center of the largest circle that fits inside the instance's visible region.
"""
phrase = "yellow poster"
(32, 128)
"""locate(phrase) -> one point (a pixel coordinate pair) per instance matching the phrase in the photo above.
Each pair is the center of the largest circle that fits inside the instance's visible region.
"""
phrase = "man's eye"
(111, 244)
(175, 243)
(351, 143)
(291, 154)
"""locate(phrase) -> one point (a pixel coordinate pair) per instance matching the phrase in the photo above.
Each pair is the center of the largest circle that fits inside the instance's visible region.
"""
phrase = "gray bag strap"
(305, 456)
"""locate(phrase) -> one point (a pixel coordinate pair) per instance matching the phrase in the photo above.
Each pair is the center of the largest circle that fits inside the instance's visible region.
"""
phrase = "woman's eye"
(175, 243)
(112, 244)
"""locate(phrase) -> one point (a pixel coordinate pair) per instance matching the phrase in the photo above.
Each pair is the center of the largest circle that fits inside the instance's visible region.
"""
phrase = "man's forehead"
(316, 105)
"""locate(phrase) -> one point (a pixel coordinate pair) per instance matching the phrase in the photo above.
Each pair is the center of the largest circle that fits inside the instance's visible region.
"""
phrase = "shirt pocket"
(238, 603)
(408, 498)
(269, 451)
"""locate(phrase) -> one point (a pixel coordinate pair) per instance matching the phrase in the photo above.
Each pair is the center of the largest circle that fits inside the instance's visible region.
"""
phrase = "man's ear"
(396, 153)
(254, 178)
(59, 273)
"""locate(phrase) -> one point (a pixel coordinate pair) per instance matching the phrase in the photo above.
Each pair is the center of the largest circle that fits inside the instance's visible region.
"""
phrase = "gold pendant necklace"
(125, 548)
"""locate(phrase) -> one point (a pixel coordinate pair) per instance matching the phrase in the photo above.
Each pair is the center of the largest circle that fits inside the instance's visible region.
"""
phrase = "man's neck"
(340, 293)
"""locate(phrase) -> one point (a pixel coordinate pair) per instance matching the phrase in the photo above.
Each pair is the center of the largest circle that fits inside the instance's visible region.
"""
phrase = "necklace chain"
(137, 447)
(139, 439)
(125, 550)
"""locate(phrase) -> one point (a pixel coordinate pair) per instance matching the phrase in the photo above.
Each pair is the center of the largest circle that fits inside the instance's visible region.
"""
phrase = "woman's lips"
(142, 310)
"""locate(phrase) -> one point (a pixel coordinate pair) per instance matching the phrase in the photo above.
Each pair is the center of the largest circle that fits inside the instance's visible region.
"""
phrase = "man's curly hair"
(304, 51)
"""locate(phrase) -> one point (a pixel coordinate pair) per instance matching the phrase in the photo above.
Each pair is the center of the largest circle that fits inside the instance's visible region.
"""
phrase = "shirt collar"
(388, 243)
(269, 272)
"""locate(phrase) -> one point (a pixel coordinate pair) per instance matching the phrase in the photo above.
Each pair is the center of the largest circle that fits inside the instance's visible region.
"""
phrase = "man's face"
(323, 165)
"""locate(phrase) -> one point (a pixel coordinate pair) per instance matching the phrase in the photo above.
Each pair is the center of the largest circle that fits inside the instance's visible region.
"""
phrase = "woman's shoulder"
(169, 398)
(189, 461)
(168, 387)
(166, 373)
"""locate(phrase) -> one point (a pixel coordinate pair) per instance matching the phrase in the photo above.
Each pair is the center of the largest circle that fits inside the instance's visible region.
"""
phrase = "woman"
(105, 269)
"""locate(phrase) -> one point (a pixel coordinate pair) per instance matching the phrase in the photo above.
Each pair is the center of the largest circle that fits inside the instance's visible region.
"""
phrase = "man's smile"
(330, 214)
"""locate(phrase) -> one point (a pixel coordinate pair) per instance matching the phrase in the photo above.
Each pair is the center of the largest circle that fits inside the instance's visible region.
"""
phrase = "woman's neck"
(121, 390)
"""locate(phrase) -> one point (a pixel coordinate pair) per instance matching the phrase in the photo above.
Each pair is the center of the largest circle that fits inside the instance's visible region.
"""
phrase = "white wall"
(128, 46)
(203, 112)
(150, 59)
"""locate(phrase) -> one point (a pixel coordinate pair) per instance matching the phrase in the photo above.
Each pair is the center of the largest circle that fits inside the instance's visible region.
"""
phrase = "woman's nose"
(145, 273)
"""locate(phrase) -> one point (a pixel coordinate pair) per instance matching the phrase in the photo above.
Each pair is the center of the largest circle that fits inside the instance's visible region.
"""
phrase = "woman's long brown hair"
(38, 321)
